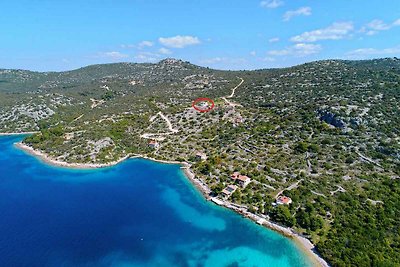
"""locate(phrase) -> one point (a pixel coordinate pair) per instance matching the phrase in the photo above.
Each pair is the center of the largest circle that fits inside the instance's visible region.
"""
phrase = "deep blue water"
(138, 213)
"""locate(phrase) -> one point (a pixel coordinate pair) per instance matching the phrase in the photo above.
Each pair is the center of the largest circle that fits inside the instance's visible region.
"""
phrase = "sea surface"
(138, 213)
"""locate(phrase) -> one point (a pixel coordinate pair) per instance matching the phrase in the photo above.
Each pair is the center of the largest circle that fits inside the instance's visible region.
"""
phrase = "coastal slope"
(318, 142)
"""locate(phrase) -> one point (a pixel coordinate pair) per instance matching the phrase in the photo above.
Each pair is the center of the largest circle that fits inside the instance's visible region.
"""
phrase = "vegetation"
(326, 134)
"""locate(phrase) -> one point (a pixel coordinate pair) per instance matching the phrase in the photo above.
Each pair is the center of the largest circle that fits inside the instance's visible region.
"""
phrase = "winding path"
(170, 127)
(318, 194)
(339, 189)
(236, 87)
(77, 118)
(293, 186)
(159, 136)
(367, 159)
(225, 98)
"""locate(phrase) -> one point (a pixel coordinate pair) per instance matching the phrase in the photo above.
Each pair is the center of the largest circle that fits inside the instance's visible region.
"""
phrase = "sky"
(57, 35)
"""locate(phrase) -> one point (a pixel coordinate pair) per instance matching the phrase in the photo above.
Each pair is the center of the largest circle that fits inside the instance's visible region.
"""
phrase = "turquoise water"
(138, 213)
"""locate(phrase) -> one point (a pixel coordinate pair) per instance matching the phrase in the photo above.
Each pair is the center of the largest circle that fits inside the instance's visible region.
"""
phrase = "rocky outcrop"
(331, 118)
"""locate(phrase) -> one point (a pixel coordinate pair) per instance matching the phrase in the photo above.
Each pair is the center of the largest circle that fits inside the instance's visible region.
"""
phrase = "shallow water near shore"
(137, 213)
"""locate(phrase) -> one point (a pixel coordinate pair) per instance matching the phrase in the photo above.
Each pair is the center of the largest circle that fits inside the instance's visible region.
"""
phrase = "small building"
(229, 190)
(242, 180)
(200, 156)
(283, 200)
(154, 144)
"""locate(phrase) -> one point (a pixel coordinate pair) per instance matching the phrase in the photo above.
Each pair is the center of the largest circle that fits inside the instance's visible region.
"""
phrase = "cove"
(137, 213)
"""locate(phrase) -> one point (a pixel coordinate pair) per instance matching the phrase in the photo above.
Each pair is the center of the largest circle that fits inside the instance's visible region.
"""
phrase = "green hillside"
(326, 134)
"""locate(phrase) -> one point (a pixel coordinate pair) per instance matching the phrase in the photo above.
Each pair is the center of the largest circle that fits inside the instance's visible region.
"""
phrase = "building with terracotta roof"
(242, 180)
(154, 144)
(283, 200)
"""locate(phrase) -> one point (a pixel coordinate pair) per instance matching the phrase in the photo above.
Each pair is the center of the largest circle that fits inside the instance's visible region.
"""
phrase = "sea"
(137, 213)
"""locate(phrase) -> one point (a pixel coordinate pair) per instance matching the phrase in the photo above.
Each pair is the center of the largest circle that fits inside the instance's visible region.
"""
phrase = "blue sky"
(237, 34)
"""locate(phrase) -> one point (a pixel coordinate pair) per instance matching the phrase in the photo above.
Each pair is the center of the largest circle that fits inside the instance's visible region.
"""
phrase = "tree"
(281, 214)
(204, 167)
(236, 196)
(313, 148)
(217, 189)
(301, 147)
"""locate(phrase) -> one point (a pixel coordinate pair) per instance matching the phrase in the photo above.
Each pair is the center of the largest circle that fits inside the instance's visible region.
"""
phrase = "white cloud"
(336, 31)
(365, 52)
(124, 46)
(274, 40)
(145, 44)
(297, 50)
(268, 59)
(377, 25)
(307, 49)
(179, 41)
(370, 32)
(223, 60)
(141, 45)
(283, 52)
(253, 53)
(302, 11)
(147, 57)
(164, 51)
(212, 60)
(271, 3)
(113, 55)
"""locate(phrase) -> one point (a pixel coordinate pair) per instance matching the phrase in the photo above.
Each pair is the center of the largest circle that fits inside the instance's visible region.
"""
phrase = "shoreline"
(50, 160)
(21, 133)
(303, 243)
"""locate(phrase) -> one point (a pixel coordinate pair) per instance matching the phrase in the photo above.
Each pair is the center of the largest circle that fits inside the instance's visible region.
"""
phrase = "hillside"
(326, 134)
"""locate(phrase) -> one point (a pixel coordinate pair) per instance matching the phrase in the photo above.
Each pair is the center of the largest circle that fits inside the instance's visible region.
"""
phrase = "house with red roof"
(154, 144)
(283, 200)
(242, 180)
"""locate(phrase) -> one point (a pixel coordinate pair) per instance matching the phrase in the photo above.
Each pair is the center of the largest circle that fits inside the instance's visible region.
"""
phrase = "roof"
(243, 178)
(284, 199)
(238, 176)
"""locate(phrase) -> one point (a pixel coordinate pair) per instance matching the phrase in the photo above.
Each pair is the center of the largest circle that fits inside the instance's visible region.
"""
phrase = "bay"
(137, 213)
